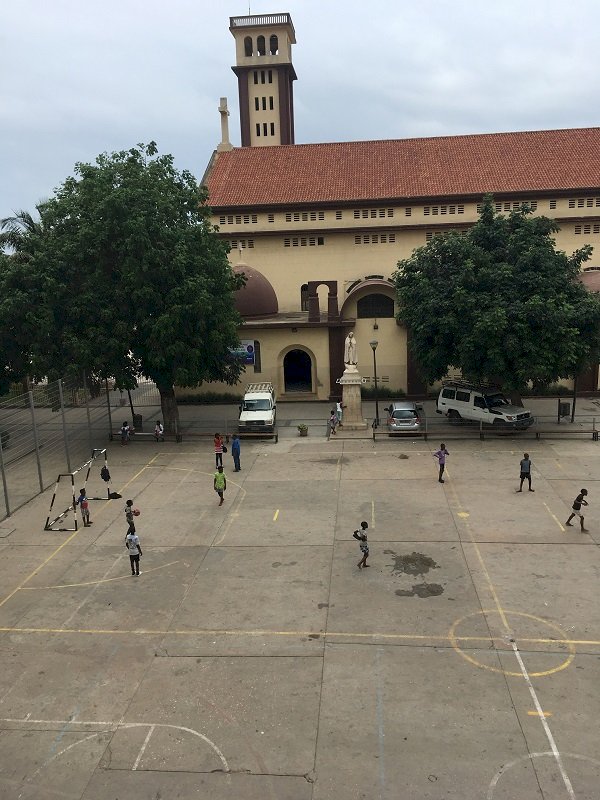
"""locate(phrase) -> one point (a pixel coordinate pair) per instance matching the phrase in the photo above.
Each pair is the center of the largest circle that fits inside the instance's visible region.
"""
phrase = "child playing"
(333, 421)
(132, 543)
(220, 483)
(218, 449)
(361, 535)
(125, 433)
(576, 512)
(441, 456)
(84, 505)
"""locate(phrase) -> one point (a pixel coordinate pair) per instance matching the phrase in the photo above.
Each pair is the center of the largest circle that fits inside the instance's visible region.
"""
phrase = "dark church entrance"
(297, 371)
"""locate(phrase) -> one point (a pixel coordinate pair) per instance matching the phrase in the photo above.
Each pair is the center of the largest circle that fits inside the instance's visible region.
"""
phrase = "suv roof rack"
(470, 385)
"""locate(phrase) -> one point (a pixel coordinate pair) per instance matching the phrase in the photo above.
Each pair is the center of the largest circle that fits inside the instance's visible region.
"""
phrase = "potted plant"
(303, 429)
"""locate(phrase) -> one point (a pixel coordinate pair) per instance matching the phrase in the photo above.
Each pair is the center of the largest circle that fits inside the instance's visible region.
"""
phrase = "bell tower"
(265, 73)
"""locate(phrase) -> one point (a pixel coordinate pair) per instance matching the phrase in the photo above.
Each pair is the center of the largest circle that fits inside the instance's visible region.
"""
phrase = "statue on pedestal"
(350, 351)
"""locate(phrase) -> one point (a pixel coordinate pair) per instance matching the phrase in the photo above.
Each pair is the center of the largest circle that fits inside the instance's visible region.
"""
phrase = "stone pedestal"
(352, 418)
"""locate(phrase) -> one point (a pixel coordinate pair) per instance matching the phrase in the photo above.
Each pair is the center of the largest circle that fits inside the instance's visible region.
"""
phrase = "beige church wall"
(274, 344)
(391, 347)
(287, 268)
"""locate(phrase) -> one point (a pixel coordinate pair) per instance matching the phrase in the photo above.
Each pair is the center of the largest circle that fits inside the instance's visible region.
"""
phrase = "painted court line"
(542, 717)
(515, 649)
(558, 522)
(94, 583)
(143, 747)
(418, 637)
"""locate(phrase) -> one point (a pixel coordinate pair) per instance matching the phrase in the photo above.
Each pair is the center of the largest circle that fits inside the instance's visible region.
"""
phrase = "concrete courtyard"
(252, 659)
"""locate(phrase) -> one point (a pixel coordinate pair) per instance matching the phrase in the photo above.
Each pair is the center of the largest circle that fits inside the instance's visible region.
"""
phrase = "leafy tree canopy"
(131, 278)
(500, 303)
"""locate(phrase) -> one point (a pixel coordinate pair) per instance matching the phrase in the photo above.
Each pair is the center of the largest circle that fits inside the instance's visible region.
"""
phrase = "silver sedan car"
(404, 417)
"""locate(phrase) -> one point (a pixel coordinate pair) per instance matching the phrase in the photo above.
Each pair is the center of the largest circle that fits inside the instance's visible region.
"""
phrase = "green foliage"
(499, 303)
(208, 398)
(368, 393)
(130, 278)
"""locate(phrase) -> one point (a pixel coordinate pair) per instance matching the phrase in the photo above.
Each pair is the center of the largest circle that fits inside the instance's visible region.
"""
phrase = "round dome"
(257, 298)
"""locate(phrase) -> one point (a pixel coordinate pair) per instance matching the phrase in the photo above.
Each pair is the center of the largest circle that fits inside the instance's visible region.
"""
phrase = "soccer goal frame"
(87, 466)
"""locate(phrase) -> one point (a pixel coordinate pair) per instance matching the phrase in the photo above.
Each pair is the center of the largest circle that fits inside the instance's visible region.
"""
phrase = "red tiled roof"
(590, 279)
(531, 161)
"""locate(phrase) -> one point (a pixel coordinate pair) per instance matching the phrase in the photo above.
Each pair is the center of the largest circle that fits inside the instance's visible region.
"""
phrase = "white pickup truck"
(258, 409)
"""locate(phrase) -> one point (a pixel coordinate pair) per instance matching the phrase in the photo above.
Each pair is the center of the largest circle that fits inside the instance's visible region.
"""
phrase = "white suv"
(460, 400)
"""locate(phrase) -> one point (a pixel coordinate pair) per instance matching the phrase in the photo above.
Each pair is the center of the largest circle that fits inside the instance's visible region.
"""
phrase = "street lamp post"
(374, 344)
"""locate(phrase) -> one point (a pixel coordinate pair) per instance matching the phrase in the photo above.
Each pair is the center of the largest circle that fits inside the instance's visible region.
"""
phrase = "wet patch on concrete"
(421, 590)
(333, 461)
(282, 564)
(322, 605)
(413, 564)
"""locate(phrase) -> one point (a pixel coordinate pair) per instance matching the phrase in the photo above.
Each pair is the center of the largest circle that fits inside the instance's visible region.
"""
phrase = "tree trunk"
(168, 404)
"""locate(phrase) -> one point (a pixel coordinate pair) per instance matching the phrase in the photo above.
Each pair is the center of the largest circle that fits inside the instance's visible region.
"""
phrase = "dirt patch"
(421, 590)
(413, 564)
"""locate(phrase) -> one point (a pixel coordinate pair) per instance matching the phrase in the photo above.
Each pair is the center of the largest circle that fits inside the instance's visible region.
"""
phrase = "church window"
(270, 103)
(256, 104)
(262, 76)
(272, 129)
(375, 305)
(265, 129)
(248, 46)
(264, 103)
(270, 76)
(273, 45)
(255, 76)
(258, 128)
(260, 46)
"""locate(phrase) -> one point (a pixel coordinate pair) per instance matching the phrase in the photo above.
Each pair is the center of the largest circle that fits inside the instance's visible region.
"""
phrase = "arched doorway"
(297, 371)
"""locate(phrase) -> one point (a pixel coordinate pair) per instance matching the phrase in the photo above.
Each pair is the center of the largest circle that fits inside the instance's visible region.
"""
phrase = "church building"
(318, 229)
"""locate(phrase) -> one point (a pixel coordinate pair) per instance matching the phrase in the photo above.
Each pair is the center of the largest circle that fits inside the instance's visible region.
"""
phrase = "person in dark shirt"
(525, 472)
(576, 512)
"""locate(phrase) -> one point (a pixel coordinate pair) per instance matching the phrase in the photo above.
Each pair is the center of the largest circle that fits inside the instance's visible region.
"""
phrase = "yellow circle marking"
(454, 641)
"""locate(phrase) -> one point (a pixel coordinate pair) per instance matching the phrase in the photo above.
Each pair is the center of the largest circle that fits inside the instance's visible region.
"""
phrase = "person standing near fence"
(84, 506)
(125, 433)
(235, 452)
(441, 456)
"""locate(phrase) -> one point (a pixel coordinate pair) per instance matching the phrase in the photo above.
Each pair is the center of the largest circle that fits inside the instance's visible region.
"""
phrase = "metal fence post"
(6, 501)
(64, 423)
(87, 411)
(35, 440)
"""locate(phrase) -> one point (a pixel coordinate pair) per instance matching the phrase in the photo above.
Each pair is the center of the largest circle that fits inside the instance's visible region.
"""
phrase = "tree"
(17, 233)
(132, 278)
(500, 303)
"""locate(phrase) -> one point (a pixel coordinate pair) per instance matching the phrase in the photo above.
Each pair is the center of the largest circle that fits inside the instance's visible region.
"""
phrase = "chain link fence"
(48, 430)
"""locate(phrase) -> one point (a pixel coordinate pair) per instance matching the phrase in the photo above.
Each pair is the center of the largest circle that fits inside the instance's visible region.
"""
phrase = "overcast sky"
(81, 77)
